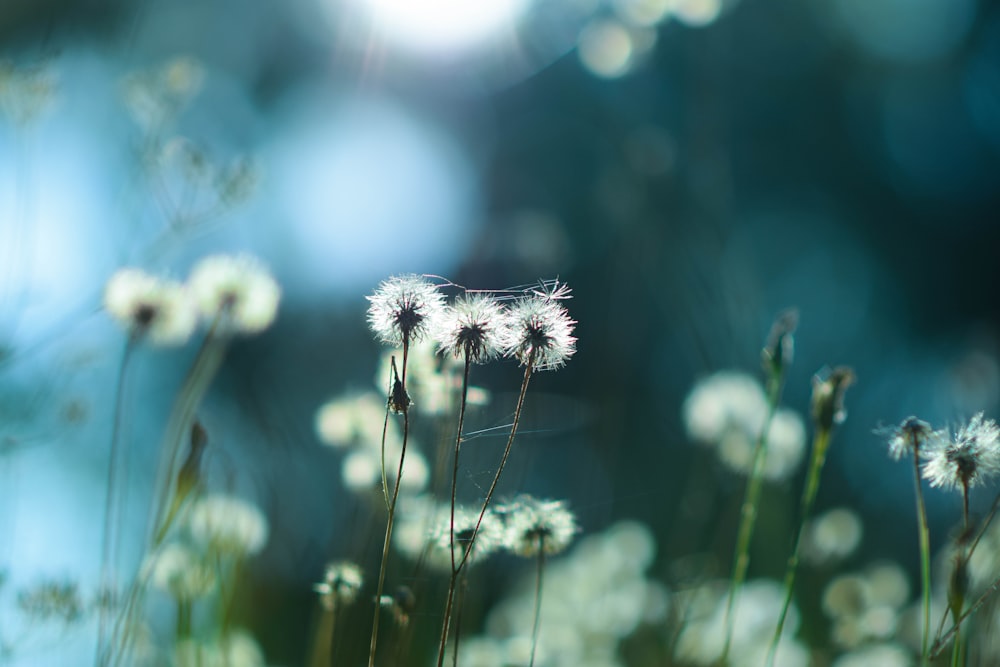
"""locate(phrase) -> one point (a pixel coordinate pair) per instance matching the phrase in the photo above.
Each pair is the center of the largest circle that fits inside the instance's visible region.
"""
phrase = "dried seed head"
(473, 327)
(541, 332)
(538, 525)
(967, 460)
(828, 397)
(341, 584)
(147, 307)
(404, 309)
(236, 293)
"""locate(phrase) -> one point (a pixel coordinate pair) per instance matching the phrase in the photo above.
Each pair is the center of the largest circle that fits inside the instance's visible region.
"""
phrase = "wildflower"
(180, 571)
(404, 309)
(228, 525)
(341, 583)
(149, 307)
(724, 401)
(235, 292)
(474, 327)
(538, 525)
(541, 332)
(910, 437)
(489, 538)
(832, 536)
(969, 459)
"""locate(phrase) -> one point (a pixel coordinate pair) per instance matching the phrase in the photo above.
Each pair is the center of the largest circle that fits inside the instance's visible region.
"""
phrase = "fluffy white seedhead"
(541, 332)
(236, 649)
(489, 538)
(237, 293)
(179, 570)
(405, 307)
(473, 326)
(833, 535)
(969, 459)
(341, 584)
(157, 310)
(228, 525)
(913, 435)
(534, 525)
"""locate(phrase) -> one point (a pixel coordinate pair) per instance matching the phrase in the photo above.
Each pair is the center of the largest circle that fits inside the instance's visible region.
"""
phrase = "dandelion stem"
(538, 599)
(748, 511)
(820, 444)
(109, 543)
(451, 532)
(925, 555)
(528, 367)
(392, 508)
(942, 640)
(323, 642)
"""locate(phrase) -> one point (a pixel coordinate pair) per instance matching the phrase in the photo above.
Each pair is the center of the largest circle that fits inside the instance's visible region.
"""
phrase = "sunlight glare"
(444, 26)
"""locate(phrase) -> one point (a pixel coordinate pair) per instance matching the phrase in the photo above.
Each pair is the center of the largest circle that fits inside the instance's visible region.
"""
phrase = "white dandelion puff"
(341, 584)
(488, 539)
(404, 309)
(235, 292)
(538, 525)
(541, 332)
(968, 459)
(228, 525)
(180, 571)
(474, 327)
(912, 436)
(160, 311)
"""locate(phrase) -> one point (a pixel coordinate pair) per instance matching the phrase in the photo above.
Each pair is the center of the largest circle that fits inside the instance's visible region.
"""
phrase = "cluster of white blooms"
(865, 606)
(592, 599)
(228, 525)
(756, 610)
(727, 411)
(536, 329)
(832, 536)
(423, 529)
(232, 294)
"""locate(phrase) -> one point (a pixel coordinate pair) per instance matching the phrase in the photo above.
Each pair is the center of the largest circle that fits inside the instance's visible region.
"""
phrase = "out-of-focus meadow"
(689, 168)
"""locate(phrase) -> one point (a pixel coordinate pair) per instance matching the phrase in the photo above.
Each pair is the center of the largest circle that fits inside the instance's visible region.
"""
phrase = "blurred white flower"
(236, 293)
(537, 525)
(341, 584)
(831, 536)
(180, 571)
(160, 311)
(236, 649)
(228, 525)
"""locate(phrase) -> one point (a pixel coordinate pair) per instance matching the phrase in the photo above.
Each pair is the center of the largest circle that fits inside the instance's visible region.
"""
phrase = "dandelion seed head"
(912, 436)
(404, 308)
(179, 570)
(847, 595)
(723, 401)
(967, 460)
(228, 525)
(341, 584)
(540, 331)
(160, 311)
(236, 649)
(833, 535)
(534, 525)
(474, 327)
(489, 538)
(785, 446)
(237, 293)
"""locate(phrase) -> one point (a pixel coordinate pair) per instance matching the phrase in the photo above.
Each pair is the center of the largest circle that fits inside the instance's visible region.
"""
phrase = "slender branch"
(538, 599)
(925, 557)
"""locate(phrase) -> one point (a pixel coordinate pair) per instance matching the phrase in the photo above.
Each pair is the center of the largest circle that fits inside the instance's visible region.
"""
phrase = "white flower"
(534, 525)
(236, 649)
(488, 539)
(473, 327)
(158, 310)
(180, 571)
(912, 435)
(228, 525)
(969, 459)
(541, 332)
(723, 401)
(404, 308)
(341, 583)
(235, 292)
(833, 535)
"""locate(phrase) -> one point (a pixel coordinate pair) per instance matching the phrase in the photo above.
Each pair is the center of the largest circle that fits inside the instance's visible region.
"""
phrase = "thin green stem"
(820, 444)
(452, 579)
(392, 511)
(925, 558)
(748, 514)
(109, 579)
(538, 599)
(323, 641)
(529, 366)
